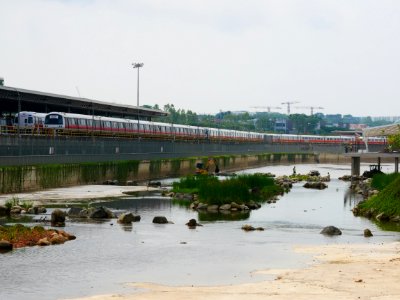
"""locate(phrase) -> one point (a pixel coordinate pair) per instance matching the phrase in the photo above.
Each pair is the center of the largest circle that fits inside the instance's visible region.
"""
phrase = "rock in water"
(367, 233)
(193, 223)
(5, 246)
(58, 218)
(3, 211)
(101, 213)
(331, 230)
(160, 220)
(126, 218)
(74, 212)
(248, 228)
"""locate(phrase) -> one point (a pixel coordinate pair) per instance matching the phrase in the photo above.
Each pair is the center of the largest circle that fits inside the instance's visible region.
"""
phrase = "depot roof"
(30, 100)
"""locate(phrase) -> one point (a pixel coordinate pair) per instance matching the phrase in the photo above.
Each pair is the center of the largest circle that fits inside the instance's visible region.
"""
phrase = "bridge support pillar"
(379, 163)
(355, 166)
(396, 165)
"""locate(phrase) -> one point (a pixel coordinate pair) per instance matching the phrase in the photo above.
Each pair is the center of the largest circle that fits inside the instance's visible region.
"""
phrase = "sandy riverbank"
(76, 193)
(367, 271)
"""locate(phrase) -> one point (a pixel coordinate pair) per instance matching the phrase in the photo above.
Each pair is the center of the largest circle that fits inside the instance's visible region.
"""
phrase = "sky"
(209, 56)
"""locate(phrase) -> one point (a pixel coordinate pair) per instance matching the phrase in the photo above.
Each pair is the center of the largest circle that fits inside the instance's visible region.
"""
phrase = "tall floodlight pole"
(137, 66)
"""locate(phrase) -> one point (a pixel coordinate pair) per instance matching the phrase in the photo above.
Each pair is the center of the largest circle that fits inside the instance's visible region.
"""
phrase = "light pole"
(138, 66)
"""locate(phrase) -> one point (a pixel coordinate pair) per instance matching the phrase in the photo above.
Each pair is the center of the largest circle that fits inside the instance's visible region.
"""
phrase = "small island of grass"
(237, 193)
(18, 236)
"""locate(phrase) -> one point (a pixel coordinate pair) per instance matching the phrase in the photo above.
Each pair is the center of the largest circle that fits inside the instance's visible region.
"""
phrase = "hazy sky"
(343, 55)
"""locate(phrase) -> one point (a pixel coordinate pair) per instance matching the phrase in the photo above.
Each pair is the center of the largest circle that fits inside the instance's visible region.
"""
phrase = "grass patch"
(21, 236)
(380, 181)
(388, 199)
(240, 189)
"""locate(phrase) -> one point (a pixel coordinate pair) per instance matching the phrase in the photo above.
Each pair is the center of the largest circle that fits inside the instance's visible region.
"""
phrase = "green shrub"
(380, 181)
(387, 201)
(240, 189)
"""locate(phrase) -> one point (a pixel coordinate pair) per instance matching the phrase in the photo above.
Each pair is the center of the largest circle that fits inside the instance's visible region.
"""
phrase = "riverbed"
(106, 255)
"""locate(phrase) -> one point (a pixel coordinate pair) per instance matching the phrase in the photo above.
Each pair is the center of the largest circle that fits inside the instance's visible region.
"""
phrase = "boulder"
(5, 246)
(101, 213)
(367, 233)
(39, 209)
(3, 211)
(248, 228)
(74, 212)
(58, 218)
(382, 217)
(243, 207)
(331, 230)
(155, 184)
(313, 173)
(57, 239)
(15, 210)
(202, 206)
(235, 205)
(225, 207)
(43, 242)
(193, 205)
(68, 236)
(128, 218)
(212, 208)
(252, 205)
(315, 185)
(395, 219)
(193, 223)
(160, 220)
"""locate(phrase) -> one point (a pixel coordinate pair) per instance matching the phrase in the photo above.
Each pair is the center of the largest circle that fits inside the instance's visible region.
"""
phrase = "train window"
(30, 120)
(53, 120)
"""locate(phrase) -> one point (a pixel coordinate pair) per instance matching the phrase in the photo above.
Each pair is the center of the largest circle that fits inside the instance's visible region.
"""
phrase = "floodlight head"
(137, 65)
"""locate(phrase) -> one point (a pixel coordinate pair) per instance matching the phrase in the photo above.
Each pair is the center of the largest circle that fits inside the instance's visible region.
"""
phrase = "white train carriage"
(29, 120)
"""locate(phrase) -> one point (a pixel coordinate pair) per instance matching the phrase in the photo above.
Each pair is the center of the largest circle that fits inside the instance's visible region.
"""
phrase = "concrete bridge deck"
(356, 159)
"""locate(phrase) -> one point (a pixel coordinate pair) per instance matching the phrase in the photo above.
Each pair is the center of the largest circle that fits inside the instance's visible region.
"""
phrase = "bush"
(387, 201)
(380, 181)
(240, 189)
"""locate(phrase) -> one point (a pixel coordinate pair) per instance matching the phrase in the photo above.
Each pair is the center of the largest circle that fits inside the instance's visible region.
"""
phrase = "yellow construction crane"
(267, 107)
(288, 103)
(311, 108)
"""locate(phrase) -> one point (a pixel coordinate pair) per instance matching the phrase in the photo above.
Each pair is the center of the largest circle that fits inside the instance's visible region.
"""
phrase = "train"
(29, 120)
(62, 123)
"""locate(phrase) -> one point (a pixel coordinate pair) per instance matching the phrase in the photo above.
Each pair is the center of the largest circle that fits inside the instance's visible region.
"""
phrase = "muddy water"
(107, 255)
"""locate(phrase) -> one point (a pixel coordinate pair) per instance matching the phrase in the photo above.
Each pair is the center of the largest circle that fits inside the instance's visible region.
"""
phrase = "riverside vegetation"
(384, 203)
(237, 193)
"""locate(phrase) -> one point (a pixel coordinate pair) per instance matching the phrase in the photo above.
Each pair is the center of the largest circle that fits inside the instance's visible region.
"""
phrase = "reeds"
(240, 189)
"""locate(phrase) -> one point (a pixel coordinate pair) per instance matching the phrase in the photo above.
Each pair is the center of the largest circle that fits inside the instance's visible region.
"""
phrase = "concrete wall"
(31, 178)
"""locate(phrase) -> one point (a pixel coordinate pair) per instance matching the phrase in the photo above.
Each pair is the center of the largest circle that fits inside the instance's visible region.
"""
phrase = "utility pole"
(138, 66)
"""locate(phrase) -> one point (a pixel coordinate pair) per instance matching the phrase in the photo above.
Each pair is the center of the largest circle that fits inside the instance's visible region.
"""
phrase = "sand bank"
(77, 193)
(367, 271)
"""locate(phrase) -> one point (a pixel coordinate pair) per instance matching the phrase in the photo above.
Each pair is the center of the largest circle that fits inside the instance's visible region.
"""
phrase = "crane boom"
(311, 108)
(288, 103)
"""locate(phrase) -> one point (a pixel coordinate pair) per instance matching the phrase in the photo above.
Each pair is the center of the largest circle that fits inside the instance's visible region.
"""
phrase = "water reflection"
(127, 227)
(223, 216)
(138, 204)
(351, 199)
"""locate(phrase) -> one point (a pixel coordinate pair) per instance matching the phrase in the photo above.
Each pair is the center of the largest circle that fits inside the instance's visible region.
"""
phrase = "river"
(106, 255)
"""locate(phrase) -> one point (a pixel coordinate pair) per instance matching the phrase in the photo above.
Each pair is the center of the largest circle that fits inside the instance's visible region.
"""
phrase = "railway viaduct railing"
(31, 150)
